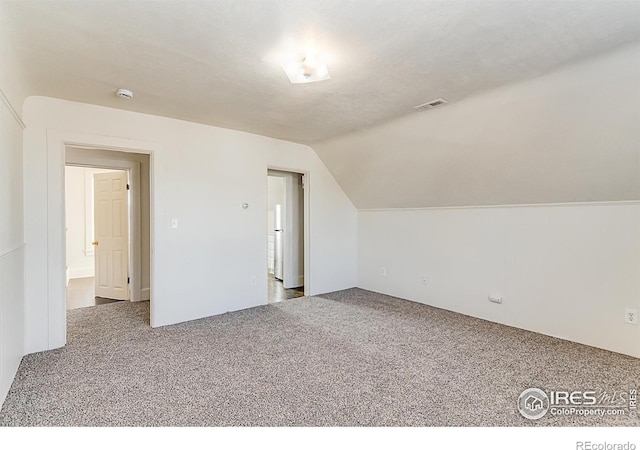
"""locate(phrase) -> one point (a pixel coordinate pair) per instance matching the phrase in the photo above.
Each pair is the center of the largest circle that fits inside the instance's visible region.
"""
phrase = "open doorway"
(97, 217)
(285, 234)
(107, 242)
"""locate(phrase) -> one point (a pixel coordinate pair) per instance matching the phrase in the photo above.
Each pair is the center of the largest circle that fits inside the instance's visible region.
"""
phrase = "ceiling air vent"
(431, 104)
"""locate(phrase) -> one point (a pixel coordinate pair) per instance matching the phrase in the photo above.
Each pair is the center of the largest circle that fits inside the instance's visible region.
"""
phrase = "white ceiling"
(212, 61)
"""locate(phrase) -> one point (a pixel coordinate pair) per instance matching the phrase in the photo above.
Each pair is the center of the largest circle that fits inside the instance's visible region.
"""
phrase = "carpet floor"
(350, 358)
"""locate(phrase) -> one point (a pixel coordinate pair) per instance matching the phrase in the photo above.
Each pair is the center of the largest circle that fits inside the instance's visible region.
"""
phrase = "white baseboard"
(145, 294)
(80, 272)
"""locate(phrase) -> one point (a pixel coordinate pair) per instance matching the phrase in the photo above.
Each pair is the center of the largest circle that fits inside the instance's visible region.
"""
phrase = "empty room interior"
(319, 213)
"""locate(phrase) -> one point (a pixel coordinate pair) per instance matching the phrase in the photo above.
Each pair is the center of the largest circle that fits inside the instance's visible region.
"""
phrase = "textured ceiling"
(568, 136)
(212, 61)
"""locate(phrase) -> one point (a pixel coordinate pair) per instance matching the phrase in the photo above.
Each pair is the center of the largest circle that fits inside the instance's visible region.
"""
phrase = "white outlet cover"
(631, 316)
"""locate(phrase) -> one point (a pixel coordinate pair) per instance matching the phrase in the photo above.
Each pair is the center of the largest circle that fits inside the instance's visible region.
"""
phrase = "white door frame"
(57, 143)
(306, 216)
(135, 214)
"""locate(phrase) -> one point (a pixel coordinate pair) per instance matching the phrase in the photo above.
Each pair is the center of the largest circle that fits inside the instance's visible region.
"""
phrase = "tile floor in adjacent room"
(81, 293)
(277, 292)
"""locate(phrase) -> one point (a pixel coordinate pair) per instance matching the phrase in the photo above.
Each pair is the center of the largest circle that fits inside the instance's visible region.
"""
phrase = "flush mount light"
(124, 93)
(306, 68)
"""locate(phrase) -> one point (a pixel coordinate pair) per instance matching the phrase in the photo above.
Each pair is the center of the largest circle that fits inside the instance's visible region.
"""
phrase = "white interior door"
(294, 232)
(111, 234)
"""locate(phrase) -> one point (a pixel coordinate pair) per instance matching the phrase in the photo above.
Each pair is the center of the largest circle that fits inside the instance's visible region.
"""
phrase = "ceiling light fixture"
(306, 68)
(124, 93)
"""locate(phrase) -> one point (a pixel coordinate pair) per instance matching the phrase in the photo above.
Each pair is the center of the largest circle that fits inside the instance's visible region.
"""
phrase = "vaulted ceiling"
(213, 62)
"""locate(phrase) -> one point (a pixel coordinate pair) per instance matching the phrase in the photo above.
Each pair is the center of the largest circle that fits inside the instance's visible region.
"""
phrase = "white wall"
(565, 270)
(570, 136)
(200, 175)
(79, 221)
(11, 246)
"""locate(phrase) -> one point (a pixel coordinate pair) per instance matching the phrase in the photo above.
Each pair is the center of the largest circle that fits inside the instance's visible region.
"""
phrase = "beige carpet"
(348, 358)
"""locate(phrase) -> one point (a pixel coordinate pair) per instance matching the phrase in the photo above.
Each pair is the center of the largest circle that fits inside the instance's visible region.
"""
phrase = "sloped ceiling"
(572, 135)
(213, 62)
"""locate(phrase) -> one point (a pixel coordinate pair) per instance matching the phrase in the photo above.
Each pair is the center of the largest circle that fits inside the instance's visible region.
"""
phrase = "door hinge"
(128, 280)
(304, 181)
(128, 187)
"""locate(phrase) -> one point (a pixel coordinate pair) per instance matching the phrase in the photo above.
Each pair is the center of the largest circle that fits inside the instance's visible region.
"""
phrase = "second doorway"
(285, 234)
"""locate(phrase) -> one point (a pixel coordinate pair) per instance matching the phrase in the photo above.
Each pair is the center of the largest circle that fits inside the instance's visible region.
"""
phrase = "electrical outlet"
(631, 316)
(495, 299)
(383, 272)
(424, 280)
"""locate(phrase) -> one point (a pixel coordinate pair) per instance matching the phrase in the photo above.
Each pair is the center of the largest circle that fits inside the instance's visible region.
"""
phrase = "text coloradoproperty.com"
(570, 411)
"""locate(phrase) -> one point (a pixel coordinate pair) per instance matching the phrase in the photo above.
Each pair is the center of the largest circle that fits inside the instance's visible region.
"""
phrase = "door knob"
(94, 243)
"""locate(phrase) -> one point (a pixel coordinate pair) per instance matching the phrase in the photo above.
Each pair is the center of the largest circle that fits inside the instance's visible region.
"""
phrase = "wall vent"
(431, 104)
